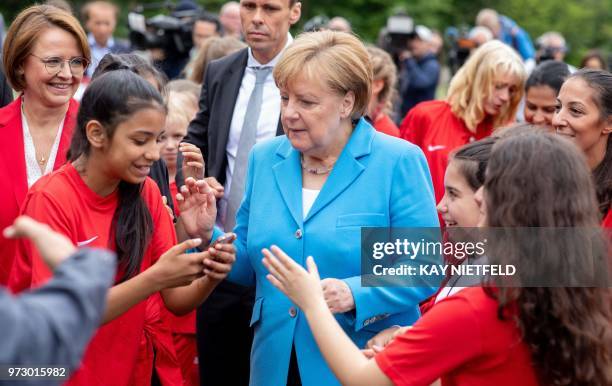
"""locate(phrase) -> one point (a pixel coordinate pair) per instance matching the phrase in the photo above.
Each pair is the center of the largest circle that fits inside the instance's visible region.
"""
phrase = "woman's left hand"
(338, 295)
(193, 161)
(301, 286)
(198, 209)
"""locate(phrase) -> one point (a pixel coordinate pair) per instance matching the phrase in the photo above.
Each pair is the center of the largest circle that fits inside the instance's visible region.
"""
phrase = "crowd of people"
(204, 225)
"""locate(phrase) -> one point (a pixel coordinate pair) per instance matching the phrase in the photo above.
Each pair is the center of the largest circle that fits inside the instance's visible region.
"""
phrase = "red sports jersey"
(607, 221)
(64, 202)
(462, 341)
(437, 131)
(384, 124)
(173, 192)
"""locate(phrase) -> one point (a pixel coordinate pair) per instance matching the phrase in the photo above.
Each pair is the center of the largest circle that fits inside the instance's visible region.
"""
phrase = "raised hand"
(198, 208)
(52, 246)
(301, 286)
(193, 161)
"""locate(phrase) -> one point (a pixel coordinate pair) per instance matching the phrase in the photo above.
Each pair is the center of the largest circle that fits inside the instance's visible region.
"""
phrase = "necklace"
(42, 159)
(316, 171)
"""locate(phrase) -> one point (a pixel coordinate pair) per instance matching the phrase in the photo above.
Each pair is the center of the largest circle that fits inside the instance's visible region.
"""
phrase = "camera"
(395, 36)
(171, 33)
(459, 46)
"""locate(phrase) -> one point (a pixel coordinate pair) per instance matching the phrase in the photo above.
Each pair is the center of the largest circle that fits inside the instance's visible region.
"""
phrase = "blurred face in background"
(540, 105)
(203, 30)
(101, 23)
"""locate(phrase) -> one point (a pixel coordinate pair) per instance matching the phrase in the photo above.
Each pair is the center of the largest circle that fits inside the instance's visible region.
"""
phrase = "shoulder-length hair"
(25, 30)
(474, 83)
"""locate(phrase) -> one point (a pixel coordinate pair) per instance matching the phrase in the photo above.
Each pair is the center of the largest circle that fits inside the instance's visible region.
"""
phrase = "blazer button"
(292, 312)
(298, 234)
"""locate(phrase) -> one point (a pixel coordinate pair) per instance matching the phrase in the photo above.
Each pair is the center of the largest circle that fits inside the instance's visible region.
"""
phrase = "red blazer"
(13, 177)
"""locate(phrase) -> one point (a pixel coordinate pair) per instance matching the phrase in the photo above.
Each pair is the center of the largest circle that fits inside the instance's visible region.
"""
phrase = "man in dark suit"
(239, 105)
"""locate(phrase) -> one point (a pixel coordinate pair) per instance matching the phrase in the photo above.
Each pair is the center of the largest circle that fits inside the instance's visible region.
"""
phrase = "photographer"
(420, 70)
(551, 46)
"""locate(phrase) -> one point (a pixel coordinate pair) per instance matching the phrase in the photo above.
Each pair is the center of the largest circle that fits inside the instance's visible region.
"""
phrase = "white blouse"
(308, 198)
(32, 166)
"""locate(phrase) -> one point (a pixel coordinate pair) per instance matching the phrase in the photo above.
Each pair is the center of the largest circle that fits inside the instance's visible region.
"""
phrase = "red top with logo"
(437, 131)
(462, 341)
(384, 124)
(64, 202)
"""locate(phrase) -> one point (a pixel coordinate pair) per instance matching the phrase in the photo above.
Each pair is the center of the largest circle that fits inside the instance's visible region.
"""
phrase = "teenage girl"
(103, 198)
(495, 335)
(541, 91)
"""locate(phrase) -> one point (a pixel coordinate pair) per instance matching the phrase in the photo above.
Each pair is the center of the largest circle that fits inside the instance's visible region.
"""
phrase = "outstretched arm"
(349, 365)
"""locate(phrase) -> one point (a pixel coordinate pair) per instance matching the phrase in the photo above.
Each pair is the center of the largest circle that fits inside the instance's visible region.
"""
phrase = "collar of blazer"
(288, 171)
(12, 147)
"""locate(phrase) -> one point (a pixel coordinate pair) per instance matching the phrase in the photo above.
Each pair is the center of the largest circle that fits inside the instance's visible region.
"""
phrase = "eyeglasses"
(55, 64)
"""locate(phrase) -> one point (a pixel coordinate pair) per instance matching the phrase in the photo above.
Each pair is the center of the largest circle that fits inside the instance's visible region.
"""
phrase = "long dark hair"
(551, 73)
(472, 160)
(538, 179)
(601, 82)
(111, 99)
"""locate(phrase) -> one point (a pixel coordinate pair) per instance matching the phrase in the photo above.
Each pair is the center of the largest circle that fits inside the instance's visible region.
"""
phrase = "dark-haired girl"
(584, 115)
(103, 198)
(541, 91)
(489, 336)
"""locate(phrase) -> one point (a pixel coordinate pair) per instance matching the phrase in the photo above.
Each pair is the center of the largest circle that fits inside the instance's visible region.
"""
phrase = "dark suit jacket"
(210, 128)
(6, 93)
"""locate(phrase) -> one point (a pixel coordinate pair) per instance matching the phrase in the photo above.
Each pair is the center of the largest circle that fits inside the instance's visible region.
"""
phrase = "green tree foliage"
(584, 23)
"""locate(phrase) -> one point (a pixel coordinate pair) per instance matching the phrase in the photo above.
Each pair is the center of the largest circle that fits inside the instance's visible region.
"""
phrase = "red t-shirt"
(64, 202)
(462, 341)
(437, 131)
(607, 221)
(173, 192)
(384, 124)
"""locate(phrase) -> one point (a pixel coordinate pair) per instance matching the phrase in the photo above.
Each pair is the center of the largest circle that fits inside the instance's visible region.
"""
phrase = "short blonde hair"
(384, 68)
(213, 48)
(182, 107)
(474, 83)
(338, 58)
(26, 28)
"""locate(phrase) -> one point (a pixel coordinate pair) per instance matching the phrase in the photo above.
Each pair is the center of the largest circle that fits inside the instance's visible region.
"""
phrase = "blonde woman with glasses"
(45, 55)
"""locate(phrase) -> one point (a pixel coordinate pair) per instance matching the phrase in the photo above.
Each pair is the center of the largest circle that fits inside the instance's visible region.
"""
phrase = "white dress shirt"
(266, 125)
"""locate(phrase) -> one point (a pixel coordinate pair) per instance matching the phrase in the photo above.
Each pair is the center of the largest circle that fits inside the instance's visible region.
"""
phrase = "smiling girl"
(103, 198)
(584, 114)
(490, 336)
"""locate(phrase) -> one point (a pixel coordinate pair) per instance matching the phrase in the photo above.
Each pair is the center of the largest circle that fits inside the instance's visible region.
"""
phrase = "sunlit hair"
(537, 179)
(181, 108)
(27, 28)
(212, 48)
(338, 59)
(475, 82)
(384, 68)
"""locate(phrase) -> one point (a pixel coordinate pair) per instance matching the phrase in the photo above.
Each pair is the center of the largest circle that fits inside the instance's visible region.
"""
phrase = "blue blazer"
(379, 181)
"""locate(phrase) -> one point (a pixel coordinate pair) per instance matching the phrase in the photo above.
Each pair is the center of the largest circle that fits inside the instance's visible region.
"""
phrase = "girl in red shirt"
(584, 115)
(104, 198)
(490, 336)
(483, 95)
